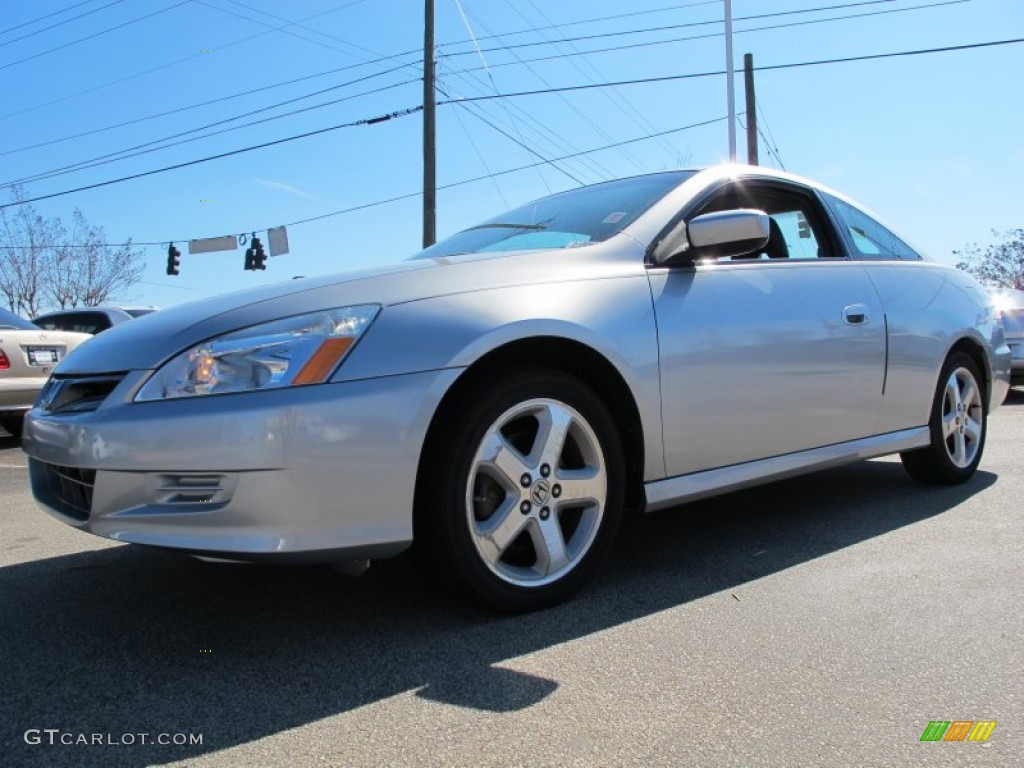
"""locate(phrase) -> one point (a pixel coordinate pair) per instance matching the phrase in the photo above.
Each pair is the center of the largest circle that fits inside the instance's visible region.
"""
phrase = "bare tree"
(25, 255)
(1000, 264)
(45, 264)
(85, 271)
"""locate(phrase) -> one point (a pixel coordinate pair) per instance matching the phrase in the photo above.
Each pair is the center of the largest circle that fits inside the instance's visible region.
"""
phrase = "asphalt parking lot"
(823, 620)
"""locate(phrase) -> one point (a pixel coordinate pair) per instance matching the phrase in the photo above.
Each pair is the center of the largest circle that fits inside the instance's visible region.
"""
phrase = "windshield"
(577, 217)
(11, 320)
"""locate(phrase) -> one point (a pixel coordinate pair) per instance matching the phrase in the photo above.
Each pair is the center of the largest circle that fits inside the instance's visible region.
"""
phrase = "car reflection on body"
(502, 398)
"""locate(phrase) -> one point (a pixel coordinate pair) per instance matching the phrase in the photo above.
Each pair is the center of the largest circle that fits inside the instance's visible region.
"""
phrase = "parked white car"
(27, 357)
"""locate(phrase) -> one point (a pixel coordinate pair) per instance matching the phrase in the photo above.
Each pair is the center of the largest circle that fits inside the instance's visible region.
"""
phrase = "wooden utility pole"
(429, 108)
(748, 83)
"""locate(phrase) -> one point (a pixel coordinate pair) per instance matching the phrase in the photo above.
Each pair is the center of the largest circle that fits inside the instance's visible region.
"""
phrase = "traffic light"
(173, 261)
(259, 258)
(255, 258)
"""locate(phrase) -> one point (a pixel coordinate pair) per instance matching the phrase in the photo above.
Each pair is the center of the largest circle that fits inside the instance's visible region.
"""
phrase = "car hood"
(148, 341)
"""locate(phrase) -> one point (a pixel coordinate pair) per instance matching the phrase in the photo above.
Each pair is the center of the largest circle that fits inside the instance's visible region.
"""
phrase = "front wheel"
(524, 495)
(958, 424)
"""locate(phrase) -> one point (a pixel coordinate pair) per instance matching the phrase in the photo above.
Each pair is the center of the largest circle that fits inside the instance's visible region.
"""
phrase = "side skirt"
(711, 482)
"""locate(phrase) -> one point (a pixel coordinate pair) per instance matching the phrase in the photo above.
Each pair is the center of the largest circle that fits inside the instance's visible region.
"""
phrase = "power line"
(171, 64)
(616, 98)
(494, 85)
(205, 104)
(595, 20)
(59, 23)
(664, 28)
(283, 28)
(303, 26)
(481, 158)
(46, 16)
(544, 132)
(242, 150)
(167, 141)
(381, 59)
(518, 141)
(536, 92)
(450, 185)
(692, 75)
(292, 81)
(579, 113)
(707, 35)
(410, 195)
(93, 35)
(409, 64)
(769, 140)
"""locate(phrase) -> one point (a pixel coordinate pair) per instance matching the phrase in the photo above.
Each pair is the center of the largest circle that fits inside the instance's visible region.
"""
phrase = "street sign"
(278, 241)
(211, 244)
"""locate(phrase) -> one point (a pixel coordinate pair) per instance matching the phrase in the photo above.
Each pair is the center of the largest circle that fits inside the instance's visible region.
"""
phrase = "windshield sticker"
(614, 218)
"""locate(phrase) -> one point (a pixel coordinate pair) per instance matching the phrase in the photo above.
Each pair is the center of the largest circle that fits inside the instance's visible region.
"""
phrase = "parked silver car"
(503, 397)
(1011, 306)
(27, 356)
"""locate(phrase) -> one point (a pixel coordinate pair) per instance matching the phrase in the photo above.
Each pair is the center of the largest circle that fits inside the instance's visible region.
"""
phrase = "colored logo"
(958, 730)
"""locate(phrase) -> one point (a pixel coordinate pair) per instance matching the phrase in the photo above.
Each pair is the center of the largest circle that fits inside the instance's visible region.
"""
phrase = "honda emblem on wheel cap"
(540, 492)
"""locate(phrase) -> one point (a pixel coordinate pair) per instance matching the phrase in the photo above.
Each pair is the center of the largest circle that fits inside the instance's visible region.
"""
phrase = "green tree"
(999, 265)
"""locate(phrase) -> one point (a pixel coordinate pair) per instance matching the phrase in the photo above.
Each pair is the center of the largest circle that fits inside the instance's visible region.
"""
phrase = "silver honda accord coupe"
(500, 400)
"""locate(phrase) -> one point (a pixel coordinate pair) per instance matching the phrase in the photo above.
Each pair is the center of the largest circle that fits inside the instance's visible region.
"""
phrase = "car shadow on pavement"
(1014, 397)
(126, 640)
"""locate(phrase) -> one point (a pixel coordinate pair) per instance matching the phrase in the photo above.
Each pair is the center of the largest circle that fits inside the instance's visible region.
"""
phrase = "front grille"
(72, 488)
(77, 394)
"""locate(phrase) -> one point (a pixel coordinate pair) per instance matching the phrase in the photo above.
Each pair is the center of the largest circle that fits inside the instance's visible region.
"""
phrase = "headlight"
(304, 349)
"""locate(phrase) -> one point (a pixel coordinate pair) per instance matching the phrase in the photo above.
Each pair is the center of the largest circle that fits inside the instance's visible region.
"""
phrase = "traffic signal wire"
(517, 94)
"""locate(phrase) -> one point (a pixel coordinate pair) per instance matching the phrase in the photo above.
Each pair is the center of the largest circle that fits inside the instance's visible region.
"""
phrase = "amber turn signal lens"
(323, 361)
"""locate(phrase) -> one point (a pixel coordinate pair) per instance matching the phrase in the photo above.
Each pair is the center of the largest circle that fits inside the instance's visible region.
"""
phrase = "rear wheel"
(523, 495)
(958, 424)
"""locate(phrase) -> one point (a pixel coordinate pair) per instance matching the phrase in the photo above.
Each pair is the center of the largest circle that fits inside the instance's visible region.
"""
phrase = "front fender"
(612, 316)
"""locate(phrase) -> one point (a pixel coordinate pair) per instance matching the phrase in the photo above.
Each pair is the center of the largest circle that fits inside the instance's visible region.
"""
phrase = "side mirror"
(715, 235)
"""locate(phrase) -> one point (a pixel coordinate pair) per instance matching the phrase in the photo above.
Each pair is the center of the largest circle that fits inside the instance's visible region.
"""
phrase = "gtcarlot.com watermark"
(57, 737)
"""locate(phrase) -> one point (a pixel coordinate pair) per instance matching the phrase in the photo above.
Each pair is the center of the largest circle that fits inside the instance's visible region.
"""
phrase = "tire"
(12, 424)
(958, 426)
(506, 515)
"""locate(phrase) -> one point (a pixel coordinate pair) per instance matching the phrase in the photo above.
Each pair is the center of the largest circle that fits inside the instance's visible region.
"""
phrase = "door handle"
(855, 314)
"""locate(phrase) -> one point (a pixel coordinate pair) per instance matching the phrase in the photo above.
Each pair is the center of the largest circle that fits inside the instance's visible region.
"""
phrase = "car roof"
(11, 321)
(70, 310)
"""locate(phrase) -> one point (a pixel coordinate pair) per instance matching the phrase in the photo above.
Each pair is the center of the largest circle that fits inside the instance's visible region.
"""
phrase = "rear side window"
(869, 238)
(79, 322)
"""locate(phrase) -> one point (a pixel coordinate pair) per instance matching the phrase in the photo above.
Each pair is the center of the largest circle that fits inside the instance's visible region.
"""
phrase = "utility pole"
(429, 107)
(730, 86)
(748, 85)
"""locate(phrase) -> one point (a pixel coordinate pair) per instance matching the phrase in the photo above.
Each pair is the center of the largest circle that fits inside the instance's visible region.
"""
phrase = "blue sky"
(932, 143)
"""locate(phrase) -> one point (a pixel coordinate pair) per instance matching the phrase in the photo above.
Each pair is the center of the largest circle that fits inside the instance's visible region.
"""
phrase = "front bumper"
(315, 473)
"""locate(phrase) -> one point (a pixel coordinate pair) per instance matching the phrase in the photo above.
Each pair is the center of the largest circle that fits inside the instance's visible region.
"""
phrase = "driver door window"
(797, 230)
